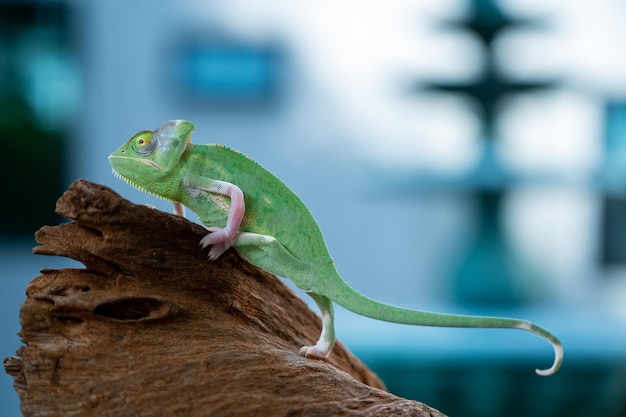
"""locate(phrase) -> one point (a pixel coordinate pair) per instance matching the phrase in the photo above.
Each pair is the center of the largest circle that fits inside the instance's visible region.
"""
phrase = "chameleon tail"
(351, 299)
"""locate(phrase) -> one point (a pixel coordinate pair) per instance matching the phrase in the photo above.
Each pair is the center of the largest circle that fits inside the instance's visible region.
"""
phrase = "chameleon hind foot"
(315, 352)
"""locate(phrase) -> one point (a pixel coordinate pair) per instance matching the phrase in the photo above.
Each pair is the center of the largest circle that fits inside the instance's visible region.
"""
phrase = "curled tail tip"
(558, 359)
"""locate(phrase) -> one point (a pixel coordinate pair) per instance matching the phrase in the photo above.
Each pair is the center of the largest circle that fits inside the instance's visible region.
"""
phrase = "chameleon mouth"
(141, 160)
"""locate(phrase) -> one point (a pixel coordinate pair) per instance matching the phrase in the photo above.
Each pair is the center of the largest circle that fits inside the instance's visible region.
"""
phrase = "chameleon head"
(151, 156)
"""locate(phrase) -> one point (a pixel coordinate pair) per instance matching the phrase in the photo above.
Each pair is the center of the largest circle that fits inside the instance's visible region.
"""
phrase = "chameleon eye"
(144, 143)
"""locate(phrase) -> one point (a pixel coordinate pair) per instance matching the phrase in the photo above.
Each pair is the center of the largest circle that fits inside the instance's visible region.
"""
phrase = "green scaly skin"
(273, 228)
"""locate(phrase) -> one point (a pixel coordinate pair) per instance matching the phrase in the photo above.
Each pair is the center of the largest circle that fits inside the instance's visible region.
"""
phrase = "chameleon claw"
(209, 239)
(218, 249)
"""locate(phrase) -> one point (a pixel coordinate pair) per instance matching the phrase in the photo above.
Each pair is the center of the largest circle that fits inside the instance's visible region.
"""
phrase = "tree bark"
(151, 327)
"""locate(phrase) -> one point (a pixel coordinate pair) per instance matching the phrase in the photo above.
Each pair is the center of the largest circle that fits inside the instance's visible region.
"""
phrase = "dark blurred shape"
(32, 36)
(490, 272)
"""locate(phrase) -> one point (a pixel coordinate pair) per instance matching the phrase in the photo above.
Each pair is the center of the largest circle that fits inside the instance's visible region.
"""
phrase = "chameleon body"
(246, 207)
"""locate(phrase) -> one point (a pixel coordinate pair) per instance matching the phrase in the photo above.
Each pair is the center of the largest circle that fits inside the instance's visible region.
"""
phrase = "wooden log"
(151, 327)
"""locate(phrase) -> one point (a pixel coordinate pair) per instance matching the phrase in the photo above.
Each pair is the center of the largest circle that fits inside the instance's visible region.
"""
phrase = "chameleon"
(246, 207)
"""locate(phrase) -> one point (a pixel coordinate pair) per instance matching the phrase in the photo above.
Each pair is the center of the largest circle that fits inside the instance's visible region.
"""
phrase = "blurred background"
(463, 156)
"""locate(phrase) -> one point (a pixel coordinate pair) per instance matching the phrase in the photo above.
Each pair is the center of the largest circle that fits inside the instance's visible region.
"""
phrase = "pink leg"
(220, 238)
(179, 209)
(325, 344)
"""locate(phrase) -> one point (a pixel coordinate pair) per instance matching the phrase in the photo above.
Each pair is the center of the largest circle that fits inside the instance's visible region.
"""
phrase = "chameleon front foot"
(217, 250)
(219, 241)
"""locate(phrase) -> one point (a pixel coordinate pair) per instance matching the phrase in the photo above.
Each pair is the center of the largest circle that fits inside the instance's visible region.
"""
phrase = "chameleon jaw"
(139, 187)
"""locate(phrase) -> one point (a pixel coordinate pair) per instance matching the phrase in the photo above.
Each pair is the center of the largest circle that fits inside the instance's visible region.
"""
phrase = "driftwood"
(153, 328)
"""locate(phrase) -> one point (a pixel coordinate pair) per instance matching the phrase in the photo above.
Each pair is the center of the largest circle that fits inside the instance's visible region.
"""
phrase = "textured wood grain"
(150, 327)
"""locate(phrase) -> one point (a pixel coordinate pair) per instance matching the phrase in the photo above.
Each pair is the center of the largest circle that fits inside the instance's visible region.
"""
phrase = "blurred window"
(226, 73)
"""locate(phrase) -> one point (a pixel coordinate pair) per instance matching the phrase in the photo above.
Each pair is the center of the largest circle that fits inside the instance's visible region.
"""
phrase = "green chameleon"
(273, 228)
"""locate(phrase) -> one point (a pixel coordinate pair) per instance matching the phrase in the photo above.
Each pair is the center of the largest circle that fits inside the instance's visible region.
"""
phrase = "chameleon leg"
(235, 214)
(179, 209)
(275, 258)
(326, 342)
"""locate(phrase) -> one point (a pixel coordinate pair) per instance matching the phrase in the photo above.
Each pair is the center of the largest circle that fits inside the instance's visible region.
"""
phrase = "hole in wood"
(133, 308)
(68, 319)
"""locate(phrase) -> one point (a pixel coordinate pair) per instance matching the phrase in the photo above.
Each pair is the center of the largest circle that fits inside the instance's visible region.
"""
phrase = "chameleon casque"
(246, 207)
